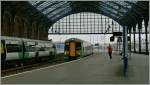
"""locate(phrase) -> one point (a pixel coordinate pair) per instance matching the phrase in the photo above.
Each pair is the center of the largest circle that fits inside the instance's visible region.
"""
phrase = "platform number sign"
(111, 38)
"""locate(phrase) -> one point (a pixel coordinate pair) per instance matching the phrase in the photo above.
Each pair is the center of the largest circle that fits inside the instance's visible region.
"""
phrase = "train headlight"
(66, 52)
(78, 52)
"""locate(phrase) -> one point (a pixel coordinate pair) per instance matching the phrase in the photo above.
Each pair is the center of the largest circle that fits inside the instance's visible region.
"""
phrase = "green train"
(76, 48)
(17, 51)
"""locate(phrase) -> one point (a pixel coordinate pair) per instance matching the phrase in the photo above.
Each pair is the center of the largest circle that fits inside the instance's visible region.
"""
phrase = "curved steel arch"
(105, 7)
(70, 13)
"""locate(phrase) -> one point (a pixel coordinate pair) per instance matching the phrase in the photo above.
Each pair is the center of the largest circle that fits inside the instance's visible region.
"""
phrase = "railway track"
(59, 59)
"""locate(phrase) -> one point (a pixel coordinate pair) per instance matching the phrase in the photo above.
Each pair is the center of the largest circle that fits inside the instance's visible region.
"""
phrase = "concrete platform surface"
(95, 69)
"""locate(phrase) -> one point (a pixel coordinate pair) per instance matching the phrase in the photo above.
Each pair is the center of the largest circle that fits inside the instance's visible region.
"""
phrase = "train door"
(78, 49)
(3, 51)
(72, 49)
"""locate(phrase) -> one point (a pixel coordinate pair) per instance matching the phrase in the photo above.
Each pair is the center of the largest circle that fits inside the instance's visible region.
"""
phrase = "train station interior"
(75, 42)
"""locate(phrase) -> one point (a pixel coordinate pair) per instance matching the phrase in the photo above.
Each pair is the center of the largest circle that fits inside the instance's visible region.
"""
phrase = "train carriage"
(15, 51)
(76, 48)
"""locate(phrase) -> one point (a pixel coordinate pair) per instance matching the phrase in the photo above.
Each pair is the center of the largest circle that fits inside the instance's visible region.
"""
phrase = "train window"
(66, 47)
(67, 43)
(78, 46)
(13, 48)
(30, 49)
(47, 48)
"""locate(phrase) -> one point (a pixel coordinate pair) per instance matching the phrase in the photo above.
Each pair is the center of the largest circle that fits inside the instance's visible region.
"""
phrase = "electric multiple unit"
(18, 50)
(77, 48)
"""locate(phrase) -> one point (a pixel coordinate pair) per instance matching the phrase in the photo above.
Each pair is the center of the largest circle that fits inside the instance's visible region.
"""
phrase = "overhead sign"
(117, 33)
(111, 38)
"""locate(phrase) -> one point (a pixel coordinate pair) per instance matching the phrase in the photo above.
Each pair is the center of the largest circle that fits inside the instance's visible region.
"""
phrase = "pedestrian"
(109, 48)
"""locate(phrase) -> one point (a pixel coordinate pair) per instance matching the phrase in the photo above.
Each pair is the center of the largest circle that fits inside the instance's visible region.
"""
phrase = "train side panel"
(19, 50)
(13, 50)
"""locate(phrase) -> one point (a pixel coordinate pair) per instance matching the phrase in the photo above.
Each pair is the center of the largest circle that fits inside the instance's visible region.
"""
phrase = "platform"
(95, 69)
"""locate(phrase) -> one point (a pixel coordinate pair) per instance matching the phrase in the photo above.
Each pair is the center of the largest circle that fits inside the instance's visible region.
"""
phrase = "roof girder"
(59, 12)
(113, 8)
(39, 3)
(96, 6)
(55, 9)
(125, 8)
(99, 10)
(49, 6)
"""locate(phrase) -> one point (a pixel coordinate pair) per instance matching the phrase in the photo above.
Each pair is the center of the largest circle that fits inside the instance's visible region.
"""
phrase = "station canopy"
(124, 12)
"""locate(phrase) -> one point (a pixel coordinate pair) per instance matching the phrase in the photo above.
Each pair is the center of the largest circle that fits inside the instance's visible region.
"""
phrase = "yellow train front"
(76, 48)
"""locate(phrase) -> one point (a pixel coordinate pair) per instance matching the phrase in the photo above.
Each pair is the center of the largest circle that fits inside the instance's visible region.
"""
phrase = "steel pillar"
(139, 28)
(139, 40)
(130, 42)
(146, 38)
(125, 50)
(134, 29)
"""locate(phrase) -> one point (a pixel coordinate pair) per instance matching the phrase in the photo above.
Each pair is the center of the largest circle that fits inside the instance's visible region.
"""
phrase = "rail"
(57, 60)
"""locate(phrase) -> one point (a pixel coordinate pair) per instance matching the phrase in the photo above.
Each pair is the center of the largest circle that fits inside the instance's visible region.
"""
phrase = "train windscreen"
(66, 46)
(78, 46)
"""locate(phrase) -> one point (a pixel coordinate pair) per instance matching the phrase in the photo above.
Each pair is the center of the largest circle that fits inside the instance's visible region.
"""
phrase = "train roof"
(76, 39)
(73, 39)
(21, 39)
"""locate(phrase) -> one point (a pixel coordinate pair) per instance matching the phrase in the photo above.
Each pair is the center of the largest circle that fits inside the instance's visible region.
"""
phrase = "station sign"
(111, 38)
(117, 33)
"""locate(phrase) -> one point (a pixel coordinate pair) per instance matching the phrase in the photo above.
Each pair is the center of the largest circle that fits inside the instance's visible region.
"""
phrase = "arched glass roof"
(117, 10)
(85, 23)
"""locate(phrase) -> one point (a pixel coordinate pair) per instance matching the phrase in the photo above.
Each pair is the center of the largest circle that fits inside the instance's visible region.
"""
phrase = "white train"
(19, 50)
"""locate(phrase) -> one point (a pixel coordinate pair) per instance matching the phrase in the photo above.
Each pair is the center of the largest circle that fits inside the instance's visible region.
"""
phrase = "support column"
(39, 26)
(146, 38)
(134, 29)
(129, 28)
(140, 27)
(125, 49)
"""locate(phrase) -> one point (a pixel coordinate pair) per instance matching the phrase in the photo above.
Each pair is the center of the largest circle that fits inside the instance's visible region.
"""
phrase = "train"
(59, 47)
(17, 51)
(76, 48)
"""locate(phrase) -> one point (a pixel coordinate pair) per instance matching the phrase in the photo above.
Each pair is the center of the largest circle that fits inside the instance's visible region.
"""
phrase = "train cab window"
(13, 48)
(67, 46)
(78, 46)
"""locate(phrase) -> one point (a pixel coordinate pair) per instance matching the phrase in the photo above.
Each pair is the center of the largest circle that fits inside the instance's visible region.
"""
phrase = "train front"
(72, 49)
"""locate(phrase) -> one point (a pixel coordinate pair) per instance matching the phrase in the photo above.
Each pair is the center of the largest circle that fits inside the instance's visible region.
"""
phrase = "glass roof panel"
(54, 7)
(58, 11)
(110, 10)
(34, 2)
(119, 5)
(45, 4)
(62, 13)
(115, 7)
(111, 14)
(50, 5)
(123, 4)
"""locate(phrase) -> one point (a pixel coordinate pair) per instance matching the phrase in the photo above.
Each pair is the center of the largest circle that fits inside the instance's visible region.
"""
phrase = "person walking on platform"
(109, 48)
